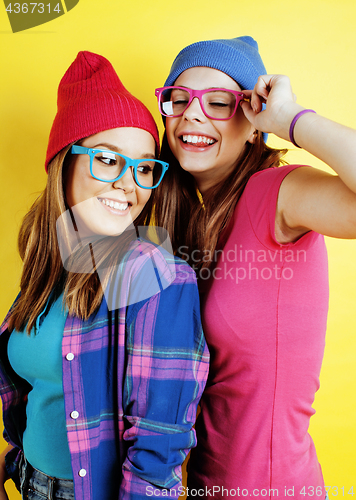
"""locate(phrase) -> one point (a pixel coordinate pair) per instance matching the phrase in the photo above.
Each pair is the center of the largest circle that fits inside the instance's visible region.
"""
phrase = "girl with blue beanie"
(253, 229)
(102, 355)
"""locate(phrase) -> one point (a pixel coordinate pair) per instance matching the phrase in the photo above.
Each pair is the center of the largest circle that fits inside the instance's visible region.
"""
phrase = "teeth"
(114, 204)
(194, 139)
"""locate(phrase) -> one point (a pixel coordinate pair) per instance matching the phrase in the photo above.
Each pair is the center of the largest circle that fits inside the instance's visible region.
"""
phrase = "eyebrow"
(114, 148)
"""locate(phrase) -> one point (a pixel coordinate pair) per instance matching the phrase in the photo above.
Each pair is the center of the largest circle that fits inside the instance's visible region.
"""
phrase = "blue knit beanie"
(237, 57)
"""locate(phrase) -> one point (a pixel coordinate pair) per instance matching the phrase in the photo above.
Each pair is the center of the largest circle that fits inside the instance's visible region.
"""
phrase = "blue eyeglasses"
(108, 166)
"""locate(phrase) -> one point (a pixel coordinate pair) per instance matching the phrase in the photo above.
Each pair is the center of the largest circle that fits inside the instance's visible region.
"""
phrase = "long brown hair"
(196, 224)
(43, 270)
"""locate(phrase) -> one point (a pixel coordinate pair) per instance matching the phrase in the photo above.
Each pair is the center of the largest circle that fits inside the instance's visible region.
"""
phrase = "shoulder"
(262, 189)
(258, 206)
(144, 254)
(271, 176)
(149, 270)
(166, 296)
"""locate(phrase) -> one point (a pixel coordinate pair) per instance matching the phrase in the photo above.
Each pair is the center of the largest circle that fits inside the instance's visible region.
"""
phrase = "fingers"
(271, 90)
(248, 111)
(263, 86)
(259, 94)
(275, 92)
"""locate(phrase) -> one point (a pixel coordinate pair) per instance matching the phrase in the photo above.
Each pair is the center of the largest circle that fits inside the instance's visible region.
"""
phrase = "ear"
(252, 137)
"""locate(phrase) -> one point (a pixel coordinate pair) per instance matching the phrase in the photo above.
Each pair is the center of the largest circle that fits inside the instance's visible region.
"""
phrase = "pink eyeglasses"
(217, 104)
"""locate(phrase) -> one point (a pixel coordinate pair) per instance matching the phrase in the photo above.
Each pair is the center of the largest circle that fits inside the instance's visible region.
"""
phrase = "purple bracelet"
(294, 121)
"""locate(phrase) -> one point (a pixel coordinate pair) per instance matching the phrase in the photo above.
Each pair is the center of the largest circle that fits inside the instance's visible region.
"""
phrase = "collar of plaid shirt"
(132, 380)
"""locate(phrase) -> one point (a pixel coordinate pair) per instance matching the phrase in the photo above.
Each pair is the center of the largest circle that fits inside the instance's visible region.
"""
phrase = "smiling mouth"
(197, 140)
(114, 204)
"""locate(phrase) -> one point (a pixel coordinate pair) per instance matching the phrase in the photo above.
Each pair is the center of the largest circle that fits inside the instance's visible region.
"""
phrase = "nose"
(126, 182)
(194, 111)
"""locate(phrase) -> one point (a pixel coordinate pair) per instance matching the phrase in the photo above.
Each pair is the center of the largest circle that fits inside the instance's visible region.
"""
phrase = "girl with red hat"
(102, 356)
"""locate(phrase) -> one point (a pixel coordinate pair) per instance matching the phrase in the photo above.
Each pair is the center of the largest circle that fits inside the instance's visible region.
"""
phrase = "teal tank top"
(38, 359)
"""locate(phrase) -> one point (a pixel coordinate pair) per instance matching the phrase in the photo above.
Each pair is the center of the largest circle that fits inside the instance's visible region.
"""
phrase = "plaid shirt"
(132, 380)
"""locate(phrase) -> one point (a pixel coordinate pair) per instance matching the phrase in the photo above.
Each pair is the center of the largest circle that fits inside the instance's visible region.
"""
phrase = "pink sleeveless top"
(264, 317)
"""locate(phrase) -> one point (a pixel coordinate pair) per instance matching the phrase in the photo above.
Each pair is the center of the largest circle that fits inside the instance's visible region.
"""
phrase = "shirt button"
(82, 472)
(70, 356)
(74, 414)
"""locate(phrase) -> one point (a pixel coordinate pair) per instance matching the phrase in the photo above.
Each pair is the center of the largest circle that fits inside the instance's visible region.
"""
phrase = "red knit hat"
(91, 98)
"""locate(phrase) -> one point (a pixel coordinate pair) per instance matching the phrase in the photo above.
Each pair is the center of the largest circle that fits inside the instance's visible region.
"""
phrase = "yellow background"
(313, 41)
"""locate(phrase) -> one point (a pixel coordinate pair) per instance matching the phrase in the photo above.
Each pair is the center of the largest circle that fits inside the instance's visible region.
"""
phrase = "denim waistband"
(35, 484)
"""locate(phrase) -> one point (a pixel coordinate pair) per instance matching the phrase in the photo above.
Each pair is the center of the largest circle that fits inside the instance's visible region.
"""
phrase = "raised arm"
(309, 198)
